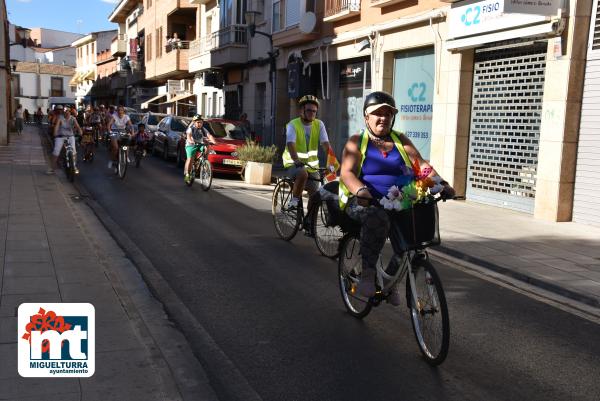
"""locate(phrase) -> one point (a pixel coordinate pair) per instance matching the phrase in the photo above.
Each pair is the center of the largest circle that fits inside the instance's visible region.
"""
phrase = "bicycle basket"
(415, 228)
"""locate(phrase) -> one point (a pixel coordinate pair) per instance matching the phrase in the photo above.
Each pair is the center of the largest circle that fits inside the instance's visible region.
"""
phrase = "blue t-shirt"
(380, 172)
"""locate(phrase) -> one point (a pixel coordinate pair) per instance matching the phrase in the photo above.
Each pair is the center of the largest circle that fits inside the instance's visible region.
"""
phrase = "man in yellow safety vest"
(303, 135)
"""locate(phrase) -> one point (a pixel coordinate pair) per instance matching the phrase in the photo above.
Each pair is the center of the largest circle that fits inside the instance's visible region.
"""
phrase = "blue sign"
(414, 76)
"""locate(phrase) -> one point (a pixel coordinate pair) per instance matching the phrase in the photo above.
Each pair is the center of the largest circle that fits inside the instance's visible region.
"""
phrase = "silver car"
(170, 130)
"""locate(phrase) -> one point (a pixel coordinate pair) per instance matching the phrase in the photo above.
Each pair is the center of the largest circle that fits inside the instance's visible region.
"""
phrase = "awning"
(178, 98)
(91, 75)
(147, 102)
(548, 29)
(76, 79)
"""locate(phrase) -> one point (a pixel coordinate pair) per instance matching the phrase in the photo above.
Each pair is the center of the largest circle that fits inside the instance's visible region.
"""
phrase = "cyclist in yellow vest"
(303, 136)
(373, 161)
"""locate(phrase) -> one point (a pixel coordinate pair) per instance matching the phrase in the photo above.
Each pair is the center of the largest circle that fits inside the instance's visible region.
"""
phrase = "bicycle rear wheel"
(70, 166)
(287, 221)
(205, 175)
(327, 236)
(122, 165)
(349, 270)
(428, 311)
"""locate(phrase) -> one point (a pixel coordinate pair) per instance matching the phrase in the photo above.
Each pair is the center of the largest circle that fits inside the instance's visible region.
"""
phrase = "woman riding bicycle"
(373, 161)
(194, 143)
(64, 127)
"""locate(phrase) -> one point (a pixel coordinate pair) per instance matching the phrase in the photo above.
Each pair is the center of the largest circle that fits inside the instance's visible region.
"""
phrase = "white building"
(43, 64)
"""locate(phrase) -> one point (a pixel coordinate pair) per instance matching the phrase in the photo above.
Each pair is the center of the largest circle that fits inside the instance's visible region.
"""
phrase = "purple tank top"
(380, 172)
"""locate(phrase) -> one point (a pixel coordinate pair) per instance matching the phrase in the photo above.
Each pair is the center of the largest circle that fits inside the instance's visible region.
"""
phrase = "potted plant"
(257, 162)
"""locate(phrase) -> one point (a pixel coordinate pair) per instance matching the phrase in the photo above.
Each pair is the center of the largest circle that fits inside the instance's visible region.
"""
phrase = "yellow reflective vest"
(344, 192)
(309, 156)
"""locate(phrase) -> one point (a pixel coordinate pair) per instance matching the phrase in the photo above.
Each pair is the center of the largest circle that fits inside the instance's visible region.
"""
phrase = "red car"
(229, 135)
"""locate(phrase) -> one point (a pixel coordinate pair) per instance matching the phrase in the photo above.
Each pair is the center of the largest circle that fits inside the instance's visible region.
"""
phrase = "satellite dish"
(308, 22)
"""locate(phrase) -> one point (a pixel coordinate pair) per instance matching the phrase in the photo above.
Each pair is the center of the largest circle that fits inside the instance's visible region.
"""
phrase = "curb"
(543, 284)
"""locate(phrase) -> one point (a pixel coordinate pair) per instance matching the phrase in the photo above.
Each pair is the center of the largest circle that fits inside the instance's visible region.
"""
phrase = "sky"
(78, 16)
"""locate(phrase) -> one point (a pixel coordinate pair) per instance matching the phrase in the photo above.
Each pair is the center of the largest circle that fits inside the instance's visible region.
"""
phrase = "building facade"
(40, 71)
(586, 200)
(87, 50)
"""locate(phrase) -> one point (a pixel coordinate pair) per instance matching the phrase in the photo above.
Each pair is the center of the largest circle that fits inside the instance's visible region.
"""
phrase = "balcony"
(336, 10)
(173, 63)
(385, 3)
(180, 7)
(229, 46)
(118, 47)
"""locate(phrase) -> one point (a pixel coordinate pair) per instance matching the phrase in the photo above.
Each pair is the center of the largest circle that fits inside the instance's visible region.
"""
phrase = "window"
(149, 47)
(204, 104)
(56, 86)
(278, 15)
(159, 42)
(93, 51)
(149, 3)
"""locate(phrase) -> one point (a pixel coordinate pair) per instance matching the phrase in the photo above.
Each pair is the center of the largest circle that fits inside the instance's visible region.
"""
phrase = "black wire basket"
(415, 228)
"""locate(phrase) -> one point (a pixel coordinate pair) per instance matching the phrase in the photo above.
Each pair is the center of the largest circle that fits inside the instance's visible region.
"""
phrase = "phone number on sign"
(417, 134)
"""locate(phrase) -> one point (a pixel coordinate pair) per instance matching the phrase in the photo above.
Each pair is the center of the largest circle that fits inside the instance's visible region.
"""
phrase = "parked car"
(170, 131)
(229, 135)
(151, 121)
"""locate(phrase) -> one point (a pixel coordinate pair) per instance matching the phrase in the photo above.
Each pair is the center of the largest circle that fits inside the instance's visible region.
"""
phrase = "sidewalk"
(53, 249)
(562, 258)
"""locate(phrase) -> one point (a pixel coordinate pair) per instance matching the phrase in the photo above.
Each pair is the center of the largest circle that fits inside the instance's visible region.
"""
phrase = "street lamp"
(250, 17)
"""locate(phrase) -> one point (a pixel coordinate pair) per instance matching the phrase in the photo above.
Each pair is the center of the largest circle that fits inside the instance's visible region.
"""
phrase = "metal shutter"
(586, 201)
(508, 86)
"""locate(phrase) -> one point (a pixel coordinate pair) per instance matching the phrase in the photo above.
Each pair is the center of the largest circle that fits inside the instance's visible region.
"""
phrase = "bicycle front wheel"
(70, 166)
(205, 175)
(122, 166)
(428, 311)
(287, 220)
(349, 271)
(327, 236)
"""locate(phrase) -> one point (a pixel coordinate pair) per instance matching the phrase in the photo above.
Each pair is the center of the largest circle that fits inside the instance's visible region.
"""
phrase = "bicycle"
(202, 169)
(88, 144)
(69, 158)
(318, 219)
(424, 292)
(123, 149)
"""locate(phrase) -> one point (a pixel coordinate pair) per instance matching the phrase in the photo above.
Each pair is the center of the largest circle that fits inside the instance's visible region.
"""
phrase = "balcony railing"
(338, 9)
(177, 45)
(232, 35)
(195, 48)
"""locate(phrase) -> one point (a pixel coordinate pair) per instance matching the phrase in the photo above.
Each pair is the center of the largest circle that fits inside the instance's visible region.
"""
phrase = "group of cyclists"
(100, 121)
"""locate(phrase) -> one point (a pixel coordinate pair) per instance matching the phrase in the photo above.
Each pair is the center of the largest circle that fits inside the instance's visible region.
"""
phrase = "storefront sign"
(414, 73)
(495, 15)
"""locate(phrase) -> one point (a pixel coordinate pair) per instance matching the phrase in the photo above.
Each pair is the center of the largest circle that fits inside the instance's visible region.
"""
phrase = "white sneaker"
(110, 164)
(366, 285)
(293, 203)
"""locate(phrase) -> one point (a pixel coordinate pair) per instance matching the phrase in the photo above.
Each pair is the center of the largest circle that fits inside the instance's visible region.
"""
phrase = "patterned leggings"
(375, 226)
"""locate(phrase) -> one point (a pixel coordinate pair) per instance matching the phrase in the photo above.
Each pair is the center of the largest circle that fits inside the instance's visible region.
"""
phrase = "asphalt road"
(274, 307)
